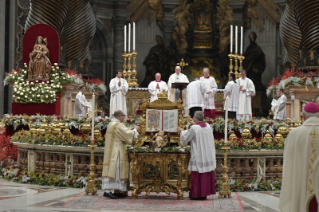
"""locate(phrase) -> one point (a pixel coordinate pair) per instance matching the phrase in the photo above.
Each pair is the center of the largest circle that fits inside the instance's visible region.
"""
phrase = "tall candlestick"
(133, 36)
(236, 39)
(93, 108)
(226, 118)
(231, 38)
(125, 33)
(129, 37)
(241, 39)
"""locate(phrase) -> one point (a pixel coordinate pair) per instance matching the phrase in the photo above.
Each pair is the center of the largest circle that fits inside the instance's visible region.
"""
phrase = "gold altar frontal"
(160, 172)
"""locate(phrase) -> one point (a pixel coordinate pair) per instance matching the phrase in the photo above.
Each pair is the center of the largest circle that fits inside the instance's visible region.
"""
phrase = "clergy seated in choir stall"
(300, 154)
(232, 91)
(246, 91)
(279, 106)
(156, 87)
(211, 90)
(118, 88)
(81, 106)
(202, 163)
(195, 96)
(115, 171)
(174, 94)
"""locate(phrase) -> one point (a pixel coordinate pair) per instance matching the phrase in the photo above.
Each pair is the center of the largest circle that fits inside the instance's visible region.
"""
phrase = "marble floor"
(15, 197)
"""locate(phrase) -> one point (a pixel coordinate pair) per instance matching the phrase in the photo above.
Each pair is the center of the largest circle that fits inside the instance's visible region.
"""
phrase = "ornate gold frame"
(162, 103)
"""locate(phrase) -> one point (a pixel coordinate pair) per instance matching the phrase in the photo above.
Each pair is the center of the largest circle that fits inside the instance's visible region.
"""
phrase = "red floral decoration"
(7, 149)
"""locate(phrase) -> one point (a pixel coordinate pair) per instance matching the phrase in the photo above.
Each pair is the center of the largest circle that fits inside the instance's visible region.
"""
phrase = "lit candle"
(93, 108)
(241, 39)
(129, 37)
(231, 38)
(226, 118)
(236, 39)
(125, 38)
(134, 36)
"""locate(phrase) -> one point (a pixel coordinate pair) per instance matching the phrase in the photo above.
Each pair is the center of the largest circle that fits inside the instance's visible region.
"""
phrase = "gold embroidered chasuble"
(117, 137)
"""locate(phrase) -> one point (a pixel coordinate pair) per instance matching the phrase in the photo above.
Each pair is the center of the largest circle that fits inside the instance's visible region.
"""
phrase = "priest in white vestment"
(156, 86)
(81, 106)
(246, 91)
(279, 106)
(315, 179)
(300, 153)
(195, 96)
(209, 100)
(202, 163)
(115, 171)
(232, 91)
(118, 88)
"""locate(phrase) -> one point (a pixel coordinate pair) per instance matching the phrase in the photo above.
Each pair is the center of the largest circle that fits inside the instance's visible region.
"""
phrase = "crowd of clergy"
(300, 183)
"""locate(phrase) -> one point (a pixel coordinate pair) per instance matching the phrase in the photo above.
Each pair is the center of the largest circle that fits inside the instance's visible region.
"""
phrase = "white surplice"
(203, 155)
(195, 94)
(154, 91)
(209, 101)
(279, 107)
(118, 95)
(300, 153)
(232, 91)
(244, 105)
(81, 104)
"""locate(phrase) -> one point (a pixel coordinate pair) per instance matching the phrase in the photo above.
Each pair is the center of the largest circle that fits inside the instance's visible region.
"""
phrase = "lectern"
(181, 86)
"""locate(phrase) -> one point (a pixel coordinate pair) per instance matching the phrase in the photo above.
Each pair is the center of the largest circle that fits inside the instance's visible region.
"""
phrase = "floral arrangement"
(146, 149)
(293, 77)
(7, 150)
(15, 173)
(96, 84)
(50, 139)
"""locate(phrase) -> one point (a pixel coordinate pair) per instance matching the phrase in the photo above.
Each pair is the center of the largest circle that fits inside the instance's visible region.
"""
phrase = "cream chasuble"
(244, 105)
(300, 153)
(232, 91)
(279, 107)
(209, 101)
(315, 179)
(118, 93)
(173, 94)
(154, 91)
(115, 163)
(195, 94)
(203, 155)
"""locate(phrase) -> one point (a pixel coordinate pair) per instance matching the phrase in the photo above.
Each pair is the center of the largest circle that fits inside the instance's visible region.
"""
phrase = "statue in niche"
(160, 60)
(39, 64)
(255, 62)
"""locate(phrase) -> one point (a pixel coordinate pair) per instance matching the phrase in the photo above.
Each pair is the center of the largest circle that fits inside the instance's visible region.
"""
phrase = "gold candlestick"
(124, 65)
(236, 66)
(90, 188)
(134, 72)
(241, 59)
(225, 187)
(129, 73)
(231, 67)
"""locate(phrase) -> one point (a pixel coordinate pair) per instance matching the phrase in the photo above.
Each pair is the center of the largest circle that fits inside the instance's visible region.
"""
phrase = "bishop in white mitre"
(209, 100)
(279, 106)
(156, 86)
(246, 91)
(81, 106)
(118, 88)
(300, 154)
(232, 91)
(174, 94)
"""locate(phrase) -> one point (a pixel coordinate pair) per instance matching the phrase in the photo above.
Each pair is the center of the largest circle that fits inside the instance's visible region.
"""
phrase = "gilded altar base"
(160, 172)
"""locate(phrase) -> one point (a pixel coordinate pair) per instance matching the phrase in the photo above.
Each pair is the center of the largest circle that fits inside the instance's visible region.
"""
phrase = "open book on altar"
(161, 120)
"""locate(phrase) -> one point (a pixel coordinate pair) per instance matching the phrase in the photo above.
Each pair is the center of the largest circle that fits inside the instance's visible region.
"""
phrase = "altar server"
(173, 94)
(118, 88)
(279, 106)
(81, 106)
(156, 87)
(209, 101)
(246, 91)
(232, 91)
(195, 96)
(115, 171)
(202, 163)
(300, 154)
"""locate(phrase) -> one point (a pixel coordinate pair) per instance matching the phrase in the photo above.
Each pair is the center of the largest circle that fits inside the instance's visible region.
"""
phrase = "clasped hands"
(137, 127)
(241, 89)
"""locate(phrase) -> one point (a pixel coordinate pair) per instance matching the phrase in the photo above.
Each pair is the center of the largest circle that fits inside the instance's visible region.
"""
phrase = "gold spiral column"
(290, 33)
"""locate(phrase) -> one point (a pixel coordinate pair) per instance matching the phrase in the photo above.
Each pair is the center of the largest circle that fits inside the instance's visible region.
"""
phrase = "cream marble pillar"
(32, 156)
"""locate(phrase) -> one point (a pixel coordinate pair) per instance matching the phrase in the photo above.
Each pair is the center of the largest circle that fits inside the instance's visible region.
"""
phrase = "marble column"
(2, 48)
(118, 33)
(168, 32)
